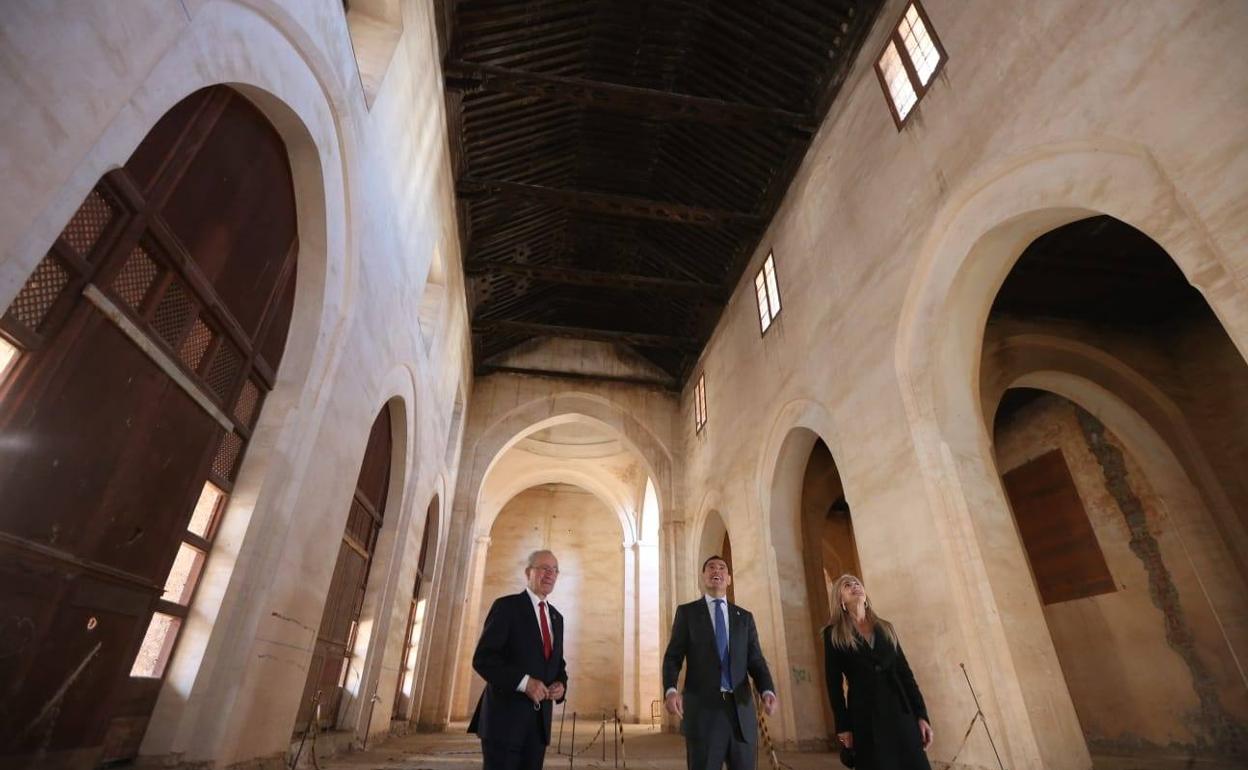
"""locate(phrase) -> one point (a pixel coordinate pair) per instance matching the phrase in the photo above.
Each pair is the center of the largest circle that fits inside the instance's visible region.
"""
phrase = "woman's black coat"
(884, 703)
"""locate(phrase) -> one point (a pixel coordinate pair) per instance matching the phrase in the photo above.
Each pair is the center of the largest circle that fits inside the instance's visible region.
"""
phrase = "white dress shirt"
(537, 613)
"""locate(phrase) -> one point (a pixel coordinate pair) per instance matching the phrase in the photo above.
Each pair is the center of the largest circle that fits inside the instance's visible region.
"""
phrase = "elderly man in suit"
(718, 643)
(520, 656)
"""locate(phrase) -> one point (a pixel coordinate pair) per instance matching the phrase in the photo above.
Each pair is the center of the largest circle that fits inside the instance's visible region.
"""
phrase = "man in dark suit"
(520, 656)
(718, 642)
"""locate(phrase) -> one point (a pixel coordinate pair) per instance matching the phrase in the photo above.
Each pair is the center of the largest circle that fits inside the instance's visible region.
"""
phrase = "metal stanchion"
(979, 716)
(562, 716)
(572, 749)
(623, 754)
(314, 722)
(615, 751)
(603, 730)
(372, 704)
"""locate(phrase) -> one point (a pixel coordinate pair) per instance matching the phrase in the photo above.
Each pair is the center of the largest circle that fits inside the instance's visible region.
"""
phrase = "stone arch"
(483, 454)
(707, 530)
(1025, 358)
(588, 538)
(782, 472)
(434, 507)
(398, 394)
(971, 247)
(511, 427)
(596, 485)
(296, 88)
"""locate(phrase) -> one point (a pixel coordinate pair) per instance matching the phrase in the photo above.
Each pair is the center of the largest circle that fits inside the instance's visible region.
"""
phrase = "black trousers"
(722, 741)
(502, 756)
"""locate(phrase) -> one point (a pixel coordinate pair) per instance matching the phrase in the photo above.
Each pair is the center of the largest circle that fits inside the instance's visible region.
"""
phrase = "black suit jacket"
(693, 643)
(510, 648)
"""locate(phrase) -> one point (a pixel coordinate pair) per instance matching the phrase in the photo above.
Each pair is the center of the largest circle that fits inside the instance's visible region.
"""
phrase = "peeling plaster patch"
(1224, 734)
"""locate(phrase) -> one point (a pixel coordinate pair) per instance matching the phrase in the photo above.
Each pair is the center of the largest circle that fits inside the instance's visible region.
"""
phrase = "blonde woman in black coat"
(884, 720)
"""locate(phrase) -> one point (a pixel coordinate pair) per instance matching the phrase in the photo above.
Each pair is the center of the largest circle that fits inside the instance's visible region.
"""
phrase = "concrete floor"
(644, 748)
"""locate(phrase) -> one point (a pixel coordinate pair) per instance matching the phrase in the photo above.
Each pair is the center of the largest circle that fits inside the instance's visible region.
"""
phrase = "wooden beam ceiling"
(598, 278)
(629, 100)
(471, 188)
(617, 163)
(564, 374)
(634, 339)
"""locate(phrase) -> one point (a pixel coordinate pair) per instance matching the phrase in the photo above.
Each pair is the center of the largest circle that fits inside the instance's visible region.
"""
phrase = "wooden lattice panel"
(135, 278)
(196, 344)
(30, 307)
(226, 459)
(224, 369)
(248, 402)
(89, 223)
(173, 314)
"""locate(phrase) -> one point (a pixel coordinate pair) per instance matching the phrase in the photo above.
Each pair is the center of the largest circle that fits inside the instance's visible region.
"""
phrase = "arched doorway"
(584, 534)
(324, 693)
(417, 610)
(1141, 609)
(813, 538)
(579, 452)
(714, 541)
(139, 353)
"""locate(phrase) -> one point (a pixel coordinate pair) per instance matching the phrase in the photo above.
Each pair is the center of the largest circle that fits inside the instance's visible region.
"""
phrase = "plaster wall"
(81, 83)
(868, 232)
(1149, 666)
(586, 538)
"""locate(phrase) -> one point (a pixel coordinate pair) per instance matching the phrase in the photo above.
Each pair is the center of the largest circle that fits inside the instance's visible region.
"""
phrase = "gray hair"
(539, 552)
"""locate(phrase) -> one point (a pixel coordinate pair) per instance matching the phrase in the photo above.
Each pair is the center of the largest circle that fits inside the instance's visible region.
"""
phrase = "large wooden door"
(146, 340)
(335, 639)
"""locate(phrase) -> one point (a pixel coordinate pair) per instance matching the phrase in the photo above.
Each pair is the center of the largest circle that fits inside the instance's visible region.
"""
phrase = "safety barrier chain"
(618, 753)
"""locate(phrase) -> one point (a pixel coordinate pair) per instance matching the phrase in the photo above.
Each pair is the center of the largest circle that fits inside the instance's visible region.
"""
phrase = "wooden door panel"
(74, 651)
(1061, 545)
(223, 185)
(350, 579)
(98, 491)
(102, 454)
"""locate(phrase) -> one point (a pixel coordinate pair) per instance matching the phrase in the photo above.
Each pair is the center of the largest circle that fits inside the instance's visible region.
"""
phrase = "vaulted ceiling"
(617, 161)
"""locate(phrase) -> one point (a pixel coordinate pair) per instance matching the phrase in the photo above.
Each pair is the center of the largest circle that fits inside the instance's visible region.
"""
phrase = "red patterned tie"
(547, 646)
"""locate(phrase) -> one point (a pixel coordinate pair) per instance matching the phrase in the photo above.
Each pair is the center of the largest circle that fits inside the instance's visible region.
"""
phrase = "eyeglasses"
(550, 570)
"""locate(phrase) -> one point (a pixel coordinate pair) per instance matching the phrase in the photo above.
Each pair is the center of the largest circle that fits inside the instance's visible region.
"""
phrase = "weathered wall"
(81, 83)
(586, 538)
(882, 236)
(1149, 667)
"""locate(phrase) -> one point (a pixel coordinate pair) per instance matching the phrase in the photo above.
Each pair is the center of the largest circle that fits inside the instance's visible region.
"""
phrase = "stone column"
(460, 708)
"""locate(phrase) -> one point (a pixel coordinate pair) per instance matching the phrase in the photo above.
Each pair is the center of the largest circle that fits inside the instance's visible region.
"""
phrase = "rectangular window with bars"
(699, 404)
(767, 291)
(909, 63)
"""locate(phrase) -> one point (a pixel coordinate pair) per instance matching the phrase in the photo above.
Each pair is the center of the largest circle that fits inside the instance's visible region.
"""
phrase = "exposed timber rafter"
(636, 339)
(603, 203)
(629, 100)
(599, 278)
(488, 368)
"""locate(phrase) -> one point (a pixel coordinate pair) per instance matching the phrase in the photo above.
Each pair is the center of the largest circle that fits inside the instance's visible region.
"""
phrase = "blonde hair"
(844, 634)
